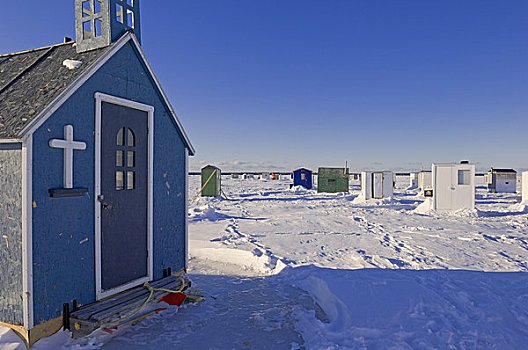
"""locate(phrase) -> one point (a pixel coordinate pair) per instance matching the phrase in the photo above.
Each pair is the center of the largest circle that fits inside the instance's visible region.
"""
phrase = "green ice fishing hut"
(332, 180)
(211, 181)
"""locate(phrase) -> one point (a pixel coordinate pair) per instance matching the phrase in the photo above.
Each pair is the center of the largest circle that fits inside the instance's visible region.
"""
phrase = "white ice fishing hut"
(424, 180)
(453, 186)
(524, 184)
(376, 184)
(501, 180)
(413, 180)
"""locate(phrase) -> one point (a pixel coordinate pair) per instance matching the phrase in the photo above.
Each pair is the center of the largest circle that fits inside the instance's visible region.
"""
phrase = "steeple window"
(86, 9)
(97, 6)
(130, 18)
(98, 27)
(119, 13)
(87, 30)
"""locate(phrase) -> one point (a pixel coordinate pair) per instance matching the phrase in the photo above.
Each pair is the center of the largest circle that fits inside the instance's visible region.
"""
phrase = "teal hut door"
(123, 196)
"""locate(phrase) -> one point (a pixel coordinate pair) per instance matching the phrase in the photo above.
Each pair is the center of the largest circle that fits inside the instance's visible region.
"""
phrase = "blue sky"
(284, 83)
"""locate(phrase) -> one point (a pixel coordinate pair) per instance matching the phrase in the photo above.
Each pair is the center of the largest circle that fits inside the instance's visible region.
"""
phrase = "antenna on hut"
(345, 170)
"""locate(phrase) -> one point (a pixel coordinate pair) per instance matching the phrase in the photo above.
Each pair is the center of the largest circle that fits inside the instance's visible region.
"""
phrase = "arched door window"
(125, 174)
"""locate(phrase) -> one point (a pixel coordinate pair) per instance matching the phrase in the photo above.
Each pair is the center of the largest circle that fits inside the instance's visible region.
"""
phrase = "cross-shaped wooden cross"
(68, 145)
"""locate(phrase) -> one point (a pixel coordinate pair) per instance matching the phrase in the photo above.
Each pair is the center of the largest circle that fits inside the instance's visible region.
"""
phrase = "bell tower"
(100, 22)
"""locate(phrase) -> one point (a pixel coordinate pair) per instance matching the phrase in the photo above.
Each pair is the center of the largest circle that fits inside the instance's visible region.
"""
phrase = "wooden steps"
(90, 317)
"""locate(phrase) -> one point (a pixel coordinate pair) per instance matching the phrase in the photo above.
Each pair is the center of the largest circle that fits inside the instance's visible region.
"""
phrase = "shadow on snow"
(368, 308)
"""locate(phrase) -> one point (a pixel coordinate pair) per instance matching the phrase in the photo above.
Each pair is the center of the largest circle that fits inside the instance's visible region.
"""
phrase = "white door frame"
(99, 99)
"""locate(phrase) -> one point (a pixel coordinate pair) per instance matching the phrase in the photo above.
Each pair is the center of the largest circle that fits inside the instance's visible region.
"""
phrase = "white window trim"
(99, 98)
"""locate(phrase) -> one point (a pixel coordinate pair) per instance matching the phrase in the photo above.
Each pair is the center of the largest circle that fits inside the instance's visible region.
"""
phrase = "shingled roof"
(497, 170)
(31, 80)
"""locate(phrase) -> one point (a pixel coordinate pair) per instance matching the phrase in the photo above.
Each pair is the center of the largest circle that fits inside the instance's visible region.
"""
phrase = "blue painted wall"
(63, 228)
(297, 181)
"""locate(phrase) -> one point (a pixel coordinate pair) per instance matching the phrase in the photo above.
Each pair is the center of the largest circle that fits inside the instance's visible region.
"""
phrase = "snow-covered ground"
(289, 268)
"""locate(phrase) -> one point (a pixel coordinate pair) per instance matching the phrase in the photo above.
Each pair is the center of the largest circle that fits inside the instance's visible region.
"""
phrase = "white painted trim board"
(99, 98)
(27, 231)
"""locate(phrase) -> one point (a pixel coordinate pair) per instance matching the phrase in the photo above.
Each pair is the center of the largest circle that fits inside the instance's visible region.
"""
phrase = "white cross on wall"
(68, 145)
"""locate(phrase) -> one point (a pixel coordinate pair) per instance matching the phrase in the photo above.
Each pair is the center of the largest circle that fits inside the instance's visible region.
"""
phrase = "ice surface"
(292, 268)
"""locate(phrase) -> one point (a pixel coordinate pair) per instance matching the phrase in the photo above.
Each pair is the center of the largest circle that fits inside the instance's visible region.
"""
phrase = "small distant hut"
(453, 186)
(524, 187)
(234, 176)
(332, 180)
(302, 177)
(377, 184)
(211, 183)
(501, 180)
(425, 181)
(413, 180)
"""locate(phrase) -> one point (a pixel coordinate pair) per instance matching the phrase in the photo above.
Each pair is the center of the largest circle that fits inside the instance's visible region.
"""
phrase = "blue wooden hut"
(93, 170)
(302, 177)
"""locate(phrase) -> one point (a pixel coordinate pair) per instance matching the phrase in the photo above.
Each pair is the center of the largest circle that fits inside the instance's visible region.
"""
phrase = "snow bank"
(425, 207)
(205, 212)
(405, 309)
(300, 190)
(255, 261)
(360, 199)
(519, 208)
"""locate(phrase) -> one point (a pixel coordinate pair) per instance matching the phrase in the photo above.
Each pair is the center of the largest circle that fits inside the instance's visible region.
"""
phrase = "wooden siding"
(332, 180)
(11, 307)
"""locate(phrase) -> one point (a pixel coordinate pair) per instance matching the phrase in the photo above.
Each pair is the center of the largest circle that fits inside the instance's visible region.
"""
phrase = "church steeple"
(100, 22)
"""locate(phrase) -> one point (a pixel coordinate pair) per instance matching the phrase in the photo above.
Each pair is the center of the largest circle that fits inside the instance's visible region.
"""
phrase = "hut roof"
(30, 80)
(496, 170)
(302, 169)
(33, 80)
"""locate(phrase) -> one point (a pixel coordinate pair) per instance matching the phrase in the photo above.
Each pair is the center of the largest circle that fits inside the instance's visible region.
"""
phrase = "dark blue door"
(124, 200)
